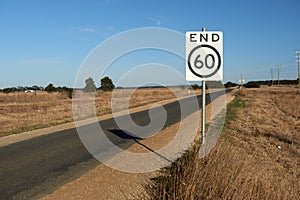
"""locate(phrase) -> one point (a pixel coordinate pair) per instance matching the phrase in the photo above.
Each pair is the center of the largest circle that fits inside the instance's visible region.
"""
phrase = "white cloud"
(88, 30)
(105, 30)
(155, 20)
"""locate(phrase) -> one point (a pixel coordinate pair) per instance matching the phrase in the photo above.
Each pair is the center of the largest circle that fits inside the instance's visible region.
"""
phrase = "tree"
(7, 90)
(252, 84)
(195, 87)
(107, 84)
(50, 88)
(214, 84)
(89, 85)
(230, 84)
(35, 87)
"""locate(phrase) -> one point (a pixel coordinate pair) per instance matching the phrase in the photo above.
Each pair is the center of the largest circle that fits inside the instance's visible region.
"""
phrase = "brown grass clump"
(288, 102)
(257, 156)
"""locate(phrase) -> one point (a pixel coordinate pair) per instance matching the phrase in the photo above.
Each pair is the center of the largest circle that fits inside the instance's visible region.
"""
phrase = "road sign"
(204, 56)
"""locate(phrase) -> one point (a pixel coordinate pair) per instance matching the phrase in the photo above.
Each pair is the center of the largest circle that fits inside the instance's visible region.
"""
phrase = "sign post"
(203, 104)
(204, 62)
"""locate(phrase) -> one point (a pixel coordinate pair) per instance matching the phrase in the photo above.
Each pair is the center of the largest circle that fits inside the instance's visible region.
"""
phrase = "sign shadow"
(125, 135)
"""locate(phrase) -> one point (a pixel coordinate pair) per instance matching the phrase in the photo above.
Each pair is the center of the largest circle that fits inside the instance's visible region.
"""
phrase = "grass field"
(257, 156)
(21, 112)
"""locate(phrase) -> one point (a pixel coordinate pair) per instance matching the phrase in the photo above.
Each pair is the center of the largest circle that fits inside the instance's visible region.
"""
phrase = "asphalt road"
(31, 163)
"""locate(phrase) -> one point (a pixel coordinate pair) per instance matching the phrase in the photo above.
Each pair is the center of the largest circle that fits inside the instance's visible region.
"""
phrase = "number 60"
(199, 63)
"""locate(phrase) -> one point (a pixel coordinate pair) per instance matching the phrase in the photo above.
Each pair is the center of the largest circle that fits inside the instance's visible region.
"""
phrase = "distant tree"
(195, 87)
(89, 85)
(7, 90)
(214, 84)
(20, 88)
(230, 84)
(35, 87)
(107, 84)
(50, 88)
(252, 84)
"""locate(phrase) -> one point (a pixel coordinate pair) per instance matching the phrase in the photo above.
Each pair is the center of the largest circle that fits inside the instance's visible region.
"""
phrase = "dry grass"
(28, 111)
(288, 102)
(257, 156)
(21, 112)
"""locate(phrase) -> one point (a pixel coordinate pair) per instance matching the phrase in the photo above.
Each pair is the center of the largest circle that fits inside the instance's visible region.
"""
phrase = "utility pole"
(241, 81)
(278, 73)
(298, 60)
(272, 78)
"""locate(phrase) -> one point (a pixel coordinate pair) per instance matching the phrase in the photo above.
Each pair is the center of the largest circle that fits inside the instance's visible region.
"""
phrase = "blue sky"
(44, 42)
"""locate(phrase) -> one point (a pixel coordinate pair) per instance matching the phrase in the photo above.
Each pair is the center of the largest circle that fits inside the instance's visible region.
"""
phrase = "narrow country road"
(30, 163)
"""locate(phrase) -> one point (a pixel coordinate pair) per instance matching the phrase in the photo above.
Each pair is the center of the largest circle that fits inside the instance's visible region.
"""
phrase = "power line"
(283, 71)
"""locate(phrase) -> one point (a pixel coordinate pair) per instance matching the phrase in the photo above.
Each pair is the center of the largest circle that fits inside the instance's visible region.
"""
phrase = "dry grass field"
(21, 112)
(257, 156)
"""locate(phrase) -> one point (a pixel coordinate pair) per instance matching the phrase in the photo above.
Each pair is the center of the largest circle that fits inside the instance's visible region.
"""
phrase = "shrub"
(252, 84)
(230, 84)
(107, 84)
(89, 85)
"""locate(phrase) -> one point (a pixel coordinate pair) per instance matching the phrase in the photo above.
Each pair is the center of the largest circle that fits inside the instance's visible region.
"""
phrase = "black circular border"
(190, 55)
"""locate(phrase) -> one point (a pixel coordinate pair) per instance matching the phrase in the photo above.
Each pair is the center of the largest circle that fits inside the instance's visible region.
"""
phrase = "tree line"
(215, 84)
(22, 89)
(106, 85)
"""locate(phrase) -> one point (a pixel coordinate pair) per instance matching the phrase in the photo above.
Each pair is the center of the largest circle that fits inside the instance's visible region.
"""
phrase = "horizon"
(154, 86)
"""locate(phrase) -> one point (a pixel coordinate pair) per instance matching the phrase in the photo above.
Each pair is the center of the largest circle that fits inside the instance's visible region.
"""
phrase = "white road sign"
(204, 56)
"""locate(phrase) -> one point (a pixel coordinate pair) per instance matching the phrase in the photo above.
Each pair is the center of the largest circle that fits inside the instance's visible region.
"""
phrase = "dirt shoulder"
(257, 155)
(103, 182)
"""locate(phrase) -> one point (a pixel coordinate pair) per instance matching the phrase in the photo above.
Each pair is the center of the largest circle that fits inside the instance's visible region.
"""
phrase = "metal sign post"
(204, 56)
(203, 104)
(203, 110)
